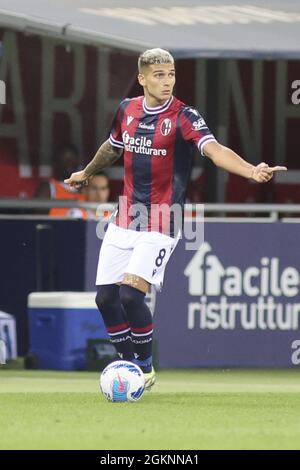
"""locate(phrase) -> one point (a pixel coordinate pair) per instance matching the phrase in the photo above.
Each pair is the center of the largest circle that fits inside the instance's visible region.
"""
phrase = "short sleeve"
(115, 135)
(194, 129)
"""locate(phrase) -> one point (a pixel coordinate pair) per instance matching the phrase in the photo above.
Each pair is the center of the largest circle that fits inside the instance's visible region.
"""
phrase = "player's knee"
(106, 296)
(101, 299)
(130, 296)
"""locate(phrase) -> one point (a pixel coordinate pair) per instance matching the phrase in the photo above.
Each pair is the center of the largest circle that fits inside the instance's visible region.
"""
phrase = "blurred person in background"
(97, 191)
(66, 160)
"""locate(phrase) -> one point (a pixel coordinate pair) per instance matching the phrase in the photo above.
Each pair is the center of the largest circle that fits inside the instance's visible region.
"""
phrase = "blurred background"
(64, 67)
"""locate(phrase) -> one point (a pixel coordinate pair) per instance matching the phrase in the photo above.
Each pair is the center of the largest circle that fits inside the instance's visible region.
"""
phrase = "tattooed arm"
(106, 155)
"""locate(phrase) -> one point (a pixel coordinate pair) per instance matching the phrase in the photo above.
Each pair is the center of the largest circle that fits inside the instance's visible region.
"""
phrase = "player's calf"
(114, 317)
(141, 325)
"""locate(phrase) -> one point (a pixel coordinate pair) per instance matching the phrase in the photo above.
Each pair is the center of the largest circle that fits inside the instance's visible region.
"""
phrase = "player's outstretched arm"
(105, 156)
(230, 161)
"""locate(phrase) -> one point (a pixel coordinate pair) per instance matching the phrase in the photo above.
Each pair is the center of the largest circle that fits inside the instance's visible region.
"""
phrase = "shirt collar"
(157, 109)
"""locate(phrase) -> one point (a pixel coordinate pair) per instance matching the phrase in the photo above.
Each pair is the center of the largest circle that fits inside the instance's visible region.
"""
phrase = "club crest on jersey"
(166, 127)
(197, 125)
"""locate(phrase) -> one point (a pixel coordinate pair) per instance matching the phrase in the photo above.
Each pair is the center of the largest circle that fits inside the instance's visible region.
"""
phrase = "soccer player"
(155, 133)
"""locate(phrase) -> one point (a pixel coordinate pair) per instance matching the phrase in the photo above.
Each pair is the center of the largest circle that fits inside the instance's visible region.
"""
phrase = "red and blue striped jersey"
(157, 145)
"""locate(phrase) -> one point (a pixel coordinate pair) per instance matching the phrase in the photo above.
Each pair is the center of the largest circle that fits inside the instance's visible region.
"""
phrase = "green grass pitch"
(195, 409)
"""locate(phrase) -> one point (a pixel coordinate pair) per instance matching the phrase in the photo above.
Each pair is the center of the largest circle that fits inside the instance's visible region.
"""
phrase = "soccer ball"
(122, 381)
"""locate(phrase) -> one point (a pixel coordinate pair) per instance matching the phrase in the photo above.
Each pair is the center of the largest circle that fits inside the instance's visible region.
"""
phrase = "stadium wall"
(59, 93)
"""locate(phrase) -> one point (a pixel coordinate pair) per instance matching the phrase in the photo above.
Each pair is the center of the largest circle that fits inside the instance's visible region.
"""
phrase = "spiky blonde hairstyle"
(155, 56)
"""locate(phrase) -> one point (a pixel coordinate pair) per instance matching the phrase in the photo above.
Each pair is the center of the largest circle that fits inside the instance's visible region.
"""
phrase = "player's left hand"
(262, 173)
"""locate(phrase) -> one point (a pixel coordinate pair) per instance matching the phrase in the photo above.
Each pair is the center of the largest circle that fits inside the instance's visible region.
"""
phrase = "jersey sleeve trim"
(115, 143)
(203, 141)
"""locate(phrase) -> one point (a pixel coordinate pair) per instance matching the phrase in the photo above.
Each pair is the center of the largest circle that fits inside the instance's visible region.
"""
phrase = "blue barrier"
(33, 259)
(233, 303)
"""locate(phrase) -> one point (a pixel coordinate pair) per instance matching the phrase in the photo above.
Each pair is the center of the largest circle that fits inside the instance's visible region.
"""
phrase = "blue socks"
(128, 321)
(114, 317)
(140, 321)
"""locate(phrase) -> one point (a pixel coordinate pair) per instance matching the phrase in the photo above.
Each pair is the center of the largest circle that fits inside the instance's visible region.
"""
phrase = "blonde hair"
(155, 56)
